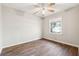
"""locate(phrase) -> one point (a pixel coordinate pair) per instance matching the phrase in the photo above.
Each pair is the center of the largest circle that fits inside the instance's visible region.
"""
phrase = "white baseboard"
(20, 43)
(63, 42)
(0, 50)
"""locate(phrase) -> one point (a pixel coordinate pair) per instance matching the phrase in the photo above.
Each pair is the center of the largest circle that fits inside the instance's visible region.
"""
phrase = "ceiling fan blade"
(51, 7)
(51, 4)
(36, 12)
(38, 5)
(51, 10)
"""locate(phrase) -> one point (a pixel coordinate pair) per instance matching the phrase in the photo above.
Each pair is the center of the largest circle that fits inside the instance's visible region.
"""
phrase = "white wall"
(0, 29)
(70, 27)
(19, 28)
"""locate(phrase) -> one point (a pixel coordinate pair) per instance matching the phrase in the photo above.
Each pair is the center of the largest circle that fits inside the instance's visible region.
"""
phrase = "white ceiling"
(29, 7)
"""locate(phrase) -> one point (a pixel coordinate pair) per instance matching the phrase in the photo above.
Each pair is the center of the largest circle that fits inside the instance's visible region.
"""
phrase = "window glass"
(56, 26)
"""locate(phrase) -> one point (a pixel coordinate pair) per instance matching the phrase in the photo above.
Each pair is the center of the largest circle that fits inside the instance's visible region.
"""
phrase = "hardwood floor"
(40, 48)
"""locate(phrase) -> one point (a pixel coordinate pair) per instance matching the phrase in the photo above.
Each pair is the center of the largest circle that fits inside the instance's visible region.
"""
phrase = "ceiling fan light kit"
(43, 8)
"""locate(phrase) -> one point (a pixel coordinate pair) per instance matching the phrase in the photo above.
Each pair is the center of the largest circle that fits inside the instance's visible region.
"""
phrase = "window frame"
(58, 19)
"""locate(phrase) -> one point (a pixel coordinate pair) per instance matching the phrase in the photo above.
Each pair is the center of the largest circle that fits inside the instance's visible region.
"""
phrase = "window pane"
(56, 27)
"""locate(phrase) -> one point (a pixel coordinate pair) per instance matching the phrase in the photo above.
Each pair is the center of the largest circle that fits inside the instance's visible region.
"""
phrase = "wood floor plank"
(40, 48)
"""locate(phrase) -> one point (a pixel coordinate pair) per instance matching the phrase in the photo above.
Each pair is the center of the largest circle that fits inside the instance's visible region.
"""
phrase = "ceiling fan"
(43, 7)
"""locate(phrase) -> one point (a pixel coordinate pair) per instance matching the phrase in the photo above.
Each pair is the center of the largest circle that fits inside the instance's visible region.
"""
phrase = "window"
(56, 26)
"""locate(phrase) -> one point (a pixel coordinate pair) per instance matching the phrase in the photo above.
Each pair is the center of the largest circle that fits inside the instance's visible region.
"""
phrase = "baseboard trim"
(60, 42)
(19, 43)
(0, 50)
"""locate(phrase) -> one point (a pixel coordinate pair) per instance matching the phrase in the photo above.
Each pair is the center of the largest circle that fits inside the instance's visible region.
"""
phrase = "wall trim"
(0, 50)
(20, 43)
(62, 42)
